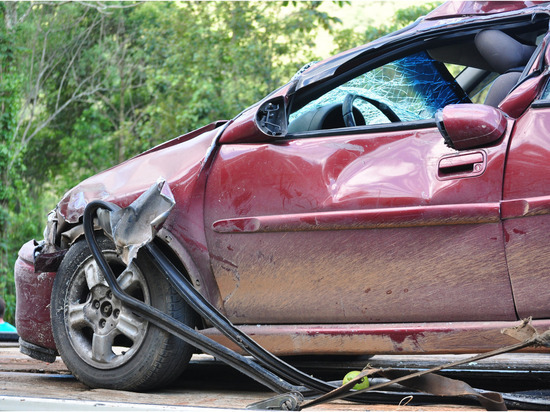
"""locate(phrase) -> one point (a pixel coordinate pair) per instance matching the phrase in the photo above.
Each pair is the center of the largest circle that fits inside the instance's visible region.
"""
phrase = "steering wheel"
(347, 109)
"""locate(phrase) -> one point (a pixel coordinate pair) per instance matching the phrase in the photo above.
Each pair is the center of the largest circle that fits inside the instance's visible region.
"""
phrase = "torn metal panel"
(47, 253)
(137, 224)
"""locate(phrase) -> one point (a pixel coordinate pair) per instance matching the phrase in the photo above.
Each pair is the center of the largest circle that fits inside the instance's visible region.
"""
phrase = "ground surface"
(208, 383)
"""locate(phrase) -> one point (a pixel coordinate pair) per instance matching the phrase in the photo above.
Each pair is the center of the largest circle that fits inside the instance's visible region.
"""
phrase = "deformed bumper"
(33, 297)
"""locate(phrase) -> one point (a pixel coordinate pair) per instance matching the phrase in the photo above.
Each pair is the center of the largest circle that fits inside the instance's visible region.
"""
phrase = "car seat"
(505, 55)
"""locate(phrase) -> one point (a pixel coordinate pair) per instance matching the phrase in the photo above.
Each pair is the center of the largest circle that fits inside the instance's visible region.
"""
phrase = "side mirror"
(271, 117)
(258, 124)
(466, 126)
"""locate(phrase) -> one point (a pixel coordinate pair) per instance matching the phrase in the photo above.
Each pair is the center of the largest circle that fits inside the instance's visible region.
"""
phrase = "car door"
(381, 222)
(526, 198)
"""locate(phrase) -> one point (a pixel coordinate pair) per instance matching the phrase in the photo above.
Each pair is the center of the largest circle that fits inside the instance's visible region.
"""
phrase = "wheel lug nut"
(96, 304)
(106, 309)
(109, 294)
(102, 323)
(116, 313)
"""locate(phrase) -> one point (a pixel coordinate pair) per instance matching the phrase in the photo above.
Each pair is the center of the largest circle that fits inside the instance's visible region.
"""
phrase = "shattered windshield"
(414, 87)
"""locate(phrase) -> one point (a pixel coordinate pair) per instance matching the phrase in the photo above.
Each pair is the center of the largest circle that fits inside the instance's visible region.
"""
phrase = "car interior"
(493, 54)
(487, 67)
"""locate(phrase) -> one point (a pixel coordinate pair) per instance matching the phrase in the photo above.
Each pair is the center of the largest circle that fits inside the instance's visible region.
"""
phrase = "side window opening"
(413, 87)
(475, 82)
(477, 67)
(479, 93)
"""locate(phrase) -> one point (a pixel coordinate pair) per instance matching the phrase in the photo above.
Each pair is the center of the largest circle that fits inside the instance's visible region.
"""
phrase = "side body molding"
(533, 206)
(437, 215)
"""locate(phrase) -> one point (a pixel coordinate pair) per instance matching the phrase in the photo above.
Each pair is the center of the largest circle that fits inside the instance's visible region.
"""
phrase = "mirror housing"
(271, 117)
(468, 125)
(261, 123)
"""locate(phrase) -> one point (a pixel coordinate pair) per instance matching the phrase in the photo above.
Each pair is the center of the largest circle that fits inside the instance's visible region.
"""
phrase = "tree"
(41, 49)
(213, 59)
(88, 84)
(9, 106)
(348, 38)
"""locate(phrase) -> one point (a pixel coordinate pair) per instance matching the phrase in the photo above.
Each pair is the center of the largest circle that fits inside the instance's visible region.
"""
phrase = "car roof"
(474, 8)
(447, 16)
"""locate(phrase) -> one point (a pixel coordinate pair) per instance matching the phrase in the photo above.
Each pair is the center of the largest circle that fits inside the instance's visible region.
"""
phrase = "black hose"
(272, 368)
(171, 325)
(211, 314)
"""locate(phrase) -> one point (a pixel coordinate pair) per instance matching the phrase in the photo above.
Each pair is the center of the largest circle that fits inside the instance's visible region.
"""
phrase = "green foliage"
(216, 58)
(349, 38)
(10, 83)
(85, 85)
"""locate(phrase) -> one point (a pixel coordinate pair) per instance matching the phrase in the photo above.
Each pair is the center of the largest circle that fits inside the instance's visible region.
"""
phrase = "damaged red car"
(394, 198)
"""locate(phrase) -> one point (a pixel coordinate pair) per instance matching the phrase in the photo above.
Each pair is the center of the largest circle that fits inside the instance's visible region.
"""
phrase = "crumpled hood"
(178, 161)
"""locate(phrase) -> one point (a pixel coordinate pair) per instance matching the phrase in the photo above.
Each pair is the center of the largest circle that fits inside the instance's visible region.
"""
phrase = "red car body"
(351, 240)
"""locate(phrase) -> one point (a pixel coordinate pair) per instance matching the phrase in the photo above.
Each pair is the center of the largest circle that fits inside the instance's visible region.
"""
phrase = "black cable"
(170, 325)
(273, 367)
(211, 314)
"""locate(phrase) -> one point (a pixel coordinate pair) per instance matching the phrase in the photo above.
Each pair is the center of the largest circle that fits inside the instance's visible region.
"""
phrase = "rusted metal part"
(284, 402)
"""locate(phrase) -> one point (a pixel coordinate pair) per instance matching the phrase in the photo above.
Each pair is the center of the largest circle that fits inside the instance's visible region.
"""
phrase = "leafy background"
(85, 85)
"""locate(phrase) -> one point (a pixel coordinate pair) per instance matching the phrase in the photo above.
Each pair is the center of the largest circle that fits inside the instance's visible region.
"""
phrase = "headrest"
(501, 51)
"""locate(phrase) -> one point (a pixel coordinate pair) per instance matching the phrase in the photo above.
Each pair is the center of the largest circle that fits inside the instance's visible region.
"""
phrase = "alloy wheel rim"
(104, 333)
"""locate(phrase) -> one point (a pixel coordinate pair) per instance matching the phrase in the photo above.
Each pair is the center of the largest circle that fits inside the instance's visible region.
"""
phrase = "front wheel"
(102, 342)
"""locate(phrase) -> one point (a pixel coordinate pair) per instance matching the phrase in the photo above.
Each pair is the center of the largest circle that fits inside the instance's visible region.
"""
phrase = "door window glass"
(413, 87)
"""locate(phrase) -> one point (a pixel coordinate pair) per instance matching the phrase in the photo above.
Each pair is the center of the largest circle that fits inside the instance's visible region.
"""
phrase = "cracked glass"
(413, 87)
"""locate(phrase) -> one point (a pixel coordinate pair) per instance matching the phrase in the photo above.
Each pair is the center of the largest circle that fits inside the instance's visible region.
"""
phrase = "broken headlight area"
(47, 254)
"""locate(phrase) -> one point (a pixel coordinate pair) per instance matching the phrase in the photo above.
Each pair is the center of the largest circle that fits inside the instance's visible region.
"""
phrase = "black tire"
(103, 343)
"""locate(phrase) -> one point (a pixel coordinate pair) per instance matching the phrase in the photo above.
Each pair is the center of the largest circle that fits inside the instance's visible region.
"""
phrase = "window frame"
(394, 50)
(437, 70)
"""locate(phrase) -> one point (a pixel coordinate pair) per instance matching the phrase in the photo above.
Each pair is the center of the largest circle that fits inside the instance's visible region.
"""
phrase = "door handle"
(462, 165)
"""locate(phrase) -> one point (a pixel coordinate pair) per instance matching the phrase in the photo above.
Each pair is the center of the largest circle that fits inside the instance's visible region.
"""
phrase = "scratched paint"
(282, 214)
